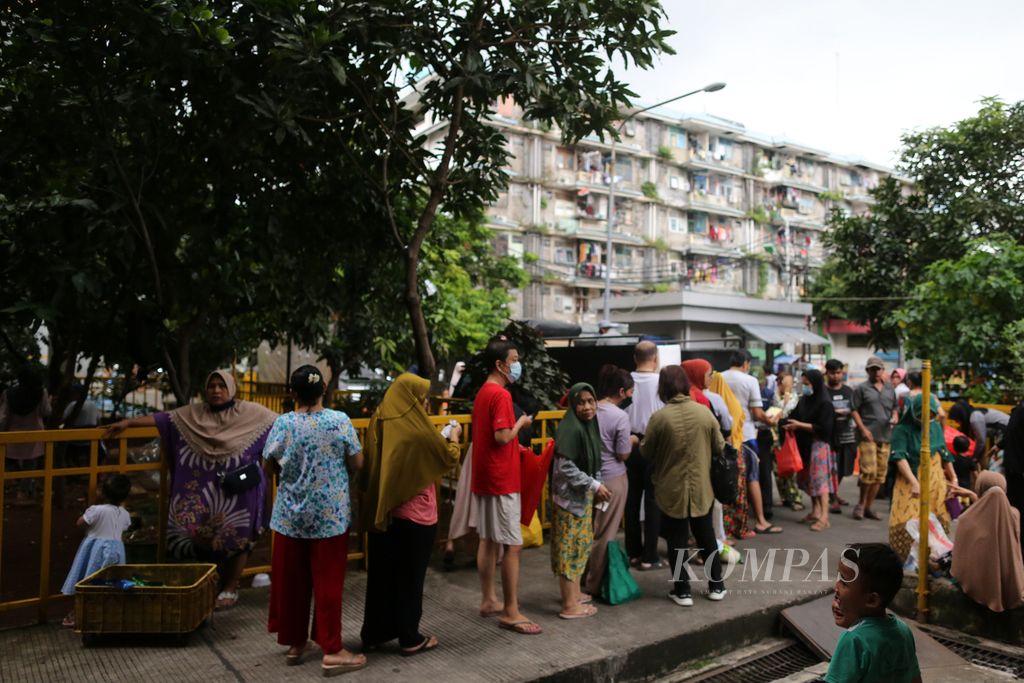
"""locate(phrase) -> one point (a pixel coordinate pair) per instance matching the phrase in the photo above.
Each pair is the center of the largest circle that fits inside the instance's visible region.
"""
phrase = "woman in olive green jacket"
(679, 443)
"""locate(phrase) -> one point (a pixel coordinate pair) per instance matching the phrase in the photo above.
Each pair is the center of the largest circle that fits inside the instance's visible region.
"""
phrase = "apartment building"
(715, 228)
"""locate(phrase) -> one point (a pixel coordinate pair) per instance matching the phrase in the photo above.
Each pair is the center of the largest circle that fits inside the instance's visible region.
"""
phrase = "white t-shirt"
(748, 393)
(107, 521)
(645, 401)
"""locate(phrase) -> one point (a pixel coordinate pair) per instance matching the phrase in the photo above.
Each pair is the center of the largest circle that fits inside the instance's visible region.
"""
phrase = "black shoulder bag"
(241, 480)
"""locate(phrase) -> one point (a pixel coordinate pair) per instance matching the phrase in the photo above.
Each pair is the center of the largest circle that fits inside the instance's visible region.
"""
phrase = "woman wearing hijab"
(698, 371)
(24, 408)
(735, 516)
(900, 387)
(206, 441)
(404, 457)
(811, 422)
(906, 453)
(987, 552)
(679, 443)
(574, 486)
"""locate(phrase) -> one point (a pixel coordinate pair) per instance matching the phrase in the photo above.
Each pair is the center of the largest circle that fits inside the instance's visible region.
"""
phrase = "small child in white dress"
(102, 545)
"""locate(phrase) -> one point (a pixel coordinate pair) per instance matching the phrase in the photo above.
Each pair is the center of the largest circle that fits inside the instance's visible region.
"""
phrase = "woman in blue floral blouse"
(313, 451)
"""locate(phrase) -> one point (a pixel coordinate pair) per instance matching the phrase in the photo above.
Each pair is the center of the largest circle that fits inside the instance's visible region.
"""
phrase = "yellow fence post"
(44, 550)
(924, 479)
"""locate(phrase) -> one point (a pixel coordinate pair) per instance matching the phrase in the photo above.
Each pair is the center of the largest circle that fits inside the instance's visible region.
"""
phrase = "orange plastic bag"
(787, 457)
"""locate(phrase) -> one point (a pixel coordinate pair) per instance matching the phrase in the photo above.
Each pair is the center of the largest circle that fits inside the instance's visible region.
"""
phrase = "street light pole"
(712, 87)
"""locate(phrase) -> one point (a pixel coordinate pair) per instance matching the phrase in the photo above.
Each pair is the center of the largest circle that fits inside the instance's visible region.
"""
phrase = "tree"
(965, 311)
(966, 182)
(407, 64)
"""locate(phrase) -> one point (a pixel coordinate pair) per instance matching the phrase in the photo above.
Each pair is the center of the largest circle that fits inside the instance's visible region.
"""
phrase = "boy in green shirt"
(876, 646)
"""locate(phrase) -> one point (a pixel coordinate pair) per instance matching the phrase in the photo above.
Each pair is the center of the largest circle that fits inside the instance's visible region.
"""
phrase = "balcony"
(785, 176)
(702, 201)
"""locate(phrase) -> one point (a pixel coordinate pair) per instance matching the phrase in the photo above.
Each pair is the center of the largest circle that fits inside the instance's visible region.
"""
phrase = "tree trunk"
(420, 334)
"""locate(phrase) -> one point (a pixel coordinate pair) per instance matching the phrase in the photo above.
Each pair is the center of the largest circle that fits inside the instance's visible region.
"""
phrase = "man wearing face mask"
(496, 486)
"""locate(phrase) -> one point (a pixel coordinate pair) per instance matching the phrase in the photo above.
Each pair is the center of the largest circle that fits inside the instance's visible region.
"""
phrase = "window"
(700, 183)
(630, 128)
(624, 169)
(565, 255)
(676, 224)
(723, 149)
(677, 138)
(698, 222)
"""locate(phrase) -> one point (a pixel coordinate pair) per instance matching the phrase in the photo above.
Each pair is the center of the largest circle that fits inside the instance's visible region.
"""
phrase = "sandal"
(809, 519)
(295, 658)
(355, 664)
(429, 643)
(769, 530)
(820, 526)
(226, 599)
(585, 611)
(797, 507)
(858, 511)
(871, 514)
(69, 621)
(524, 627)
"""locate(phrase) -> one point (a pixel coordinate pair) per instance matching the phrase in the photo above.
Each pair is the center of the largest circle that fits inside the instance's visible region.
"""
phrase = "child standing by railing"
(102, 545)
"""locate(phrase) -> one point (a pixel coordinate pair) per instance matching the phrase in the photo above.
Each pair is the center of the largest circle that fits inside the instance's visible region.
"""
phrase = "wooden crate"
(179, 606)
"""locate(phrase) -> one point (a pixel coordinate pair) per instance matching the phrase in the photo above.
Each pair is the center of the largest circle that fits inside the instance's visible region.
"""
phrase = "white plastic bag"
(938, 542)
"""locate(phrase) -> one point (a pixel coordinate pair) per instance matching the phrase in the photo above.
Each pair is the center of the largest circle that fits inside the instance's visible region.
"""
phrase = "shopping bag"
(618, 585)
(787, 457)
(725, 475)
(533, 533)
(533, 470)
(938, 542)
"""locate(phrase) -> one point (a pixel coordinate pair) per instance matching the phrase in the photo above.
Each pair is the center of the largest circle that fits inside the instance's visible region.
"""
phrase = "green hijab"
(906, 437)
(577, 441)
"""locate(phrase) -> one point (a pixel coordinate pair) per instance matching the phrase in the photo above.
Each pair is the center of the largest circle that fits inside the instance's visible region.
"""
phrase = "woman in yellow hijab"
(405, 455)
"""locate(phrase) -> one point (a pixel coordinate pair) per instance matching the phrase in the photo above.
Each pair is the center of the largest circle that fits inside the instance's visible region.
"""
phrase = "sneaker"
(716, 594)
(684, 600)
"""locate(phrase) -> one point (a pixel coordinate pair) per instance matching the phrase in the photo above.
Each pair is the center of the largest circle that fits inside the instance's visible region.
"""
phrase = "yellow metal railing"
(50, 472)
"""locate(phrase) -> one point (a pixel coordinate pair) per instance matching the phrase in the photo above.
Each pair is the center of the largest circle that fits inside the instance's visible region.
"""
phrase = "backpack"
(725, 475)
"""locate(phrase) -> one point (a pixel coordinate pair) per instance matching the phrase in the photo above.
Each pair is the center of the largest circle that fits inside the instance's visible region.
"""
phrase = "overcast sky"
(848, 76)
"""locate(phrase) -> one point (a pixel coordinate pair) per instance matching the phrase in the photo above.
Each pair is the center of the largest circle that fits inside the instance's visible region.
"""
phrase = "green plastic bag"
(618, 586)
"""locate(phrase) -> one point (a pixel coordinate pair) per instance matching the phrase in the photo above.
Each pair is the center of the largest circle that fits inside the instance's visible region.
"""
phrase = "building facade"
(703, 209)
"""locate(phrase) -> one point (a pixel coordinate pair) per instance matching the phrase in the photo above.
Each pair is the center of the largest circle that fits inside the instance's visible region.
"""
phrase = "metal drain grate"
(787, 660)
(983, 656)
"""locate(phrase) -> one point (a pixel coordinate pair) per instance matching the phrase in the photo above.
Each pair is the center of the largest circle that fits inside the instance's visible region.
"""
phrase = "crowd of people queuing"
(634, 451)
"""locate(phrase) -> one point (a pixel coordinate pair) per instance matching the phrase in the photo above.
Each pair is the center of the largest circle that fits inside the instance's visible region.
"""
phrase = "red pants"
(304, 568)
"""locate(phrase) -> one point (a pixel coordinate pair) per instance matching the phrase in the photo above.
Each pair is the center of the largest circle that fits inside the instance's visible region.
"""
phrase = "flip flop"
(647, 566)
(871, 514)
(818, 526)
(429, 643)
(809, 519)
(768, 531)
(69, 622)
(335, 669)
(523, 628)
(747, 535)
(491, 613)
(588, 611)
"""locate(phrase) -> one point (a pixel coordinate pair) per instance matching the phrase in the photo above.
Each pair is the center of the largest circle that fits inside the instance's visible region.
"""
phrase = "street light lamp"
(711, 87)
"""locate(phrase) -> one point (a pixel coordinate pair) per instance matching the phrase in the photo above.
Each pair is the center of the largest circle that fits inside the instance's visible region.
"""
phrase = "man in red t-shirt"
(496, 486)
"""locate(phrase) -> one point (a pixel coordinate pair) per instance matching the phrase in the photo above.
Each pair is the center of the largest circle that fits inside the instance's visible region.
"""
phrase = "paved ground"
(648, 637)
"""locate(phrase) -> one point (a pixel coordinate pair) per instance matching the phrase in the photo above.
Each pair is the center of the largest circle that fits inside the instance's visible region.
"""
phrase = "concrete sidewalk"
(645, 638)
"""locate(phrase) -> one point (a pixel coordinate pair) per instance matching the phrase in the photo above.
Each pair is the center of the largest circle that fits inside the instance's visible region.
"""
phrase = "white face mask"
(807, 390)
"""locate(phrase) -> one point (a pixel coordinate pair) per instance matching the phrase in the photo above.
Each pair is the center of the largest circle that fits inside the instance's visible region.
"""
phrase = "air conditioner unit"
(630, 129)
